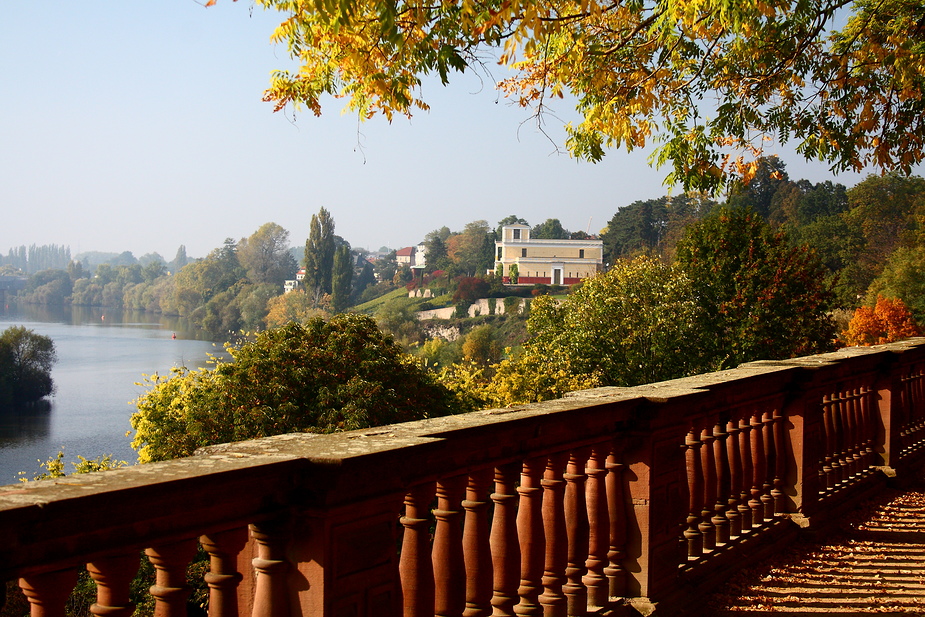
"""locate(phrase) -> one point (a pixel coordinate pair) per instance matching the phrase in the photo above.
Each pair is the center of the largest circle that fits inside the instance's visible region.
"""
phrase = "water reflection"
(25, 423)
(103, 317)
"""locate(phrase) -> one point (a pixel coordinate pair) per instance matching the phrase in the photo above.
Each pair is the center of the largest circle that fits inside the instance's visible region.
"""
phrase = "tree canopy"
(706, 81)
(265, 255)
(763, 298)
(636, 323)
(550, 229)
(321, 376)
(26, 359)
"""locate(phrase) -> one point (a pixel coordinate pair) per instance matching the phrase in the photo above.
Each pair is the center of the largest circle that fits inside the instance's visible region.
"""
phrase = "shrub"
(470, 289)
(887, 321)
(321, 376)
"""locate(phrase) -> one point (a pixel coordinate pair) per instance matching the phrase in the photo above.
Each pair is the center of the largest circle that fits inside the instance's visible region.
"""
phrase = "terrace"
(606, 501)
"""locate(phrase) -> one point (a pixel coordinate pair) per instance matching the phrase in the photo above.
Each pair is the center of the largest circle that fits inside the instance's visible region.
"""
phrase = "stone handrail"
(566, 507)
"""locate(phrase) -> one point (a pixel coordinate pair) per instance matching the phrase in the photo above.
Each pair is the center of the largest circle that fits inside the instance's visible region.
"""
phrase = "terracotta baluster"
(48, 592)
(909, 401)
(745, 477)
(616, 507)
(223, 576)
(530, 535)
(415, 565)
(900, 412)
(838, 440)
(556, 557)
(271, 590)
(907, 414)
(918, 402)
(918, 395)
(735, 478)
(870, 426)
(577, 530)
(851, 438)
(862, 434)
(780, 461)
(914, 422)
(113, 577)
(770, 463)
(847, 437)
(447, 555)
(828, 473)
(708, 468)
(721, 461)
(476, 547)
(851, 441)
(692, 536)
(912, 401)
(505, 549)
(918, 398)
(170, 590)
(598, 527)
(909, 411)
(759, 470)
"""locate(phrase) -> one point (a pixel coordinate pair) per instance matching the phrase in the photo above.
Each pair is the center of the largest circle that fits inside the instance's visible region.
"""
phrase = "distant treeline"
(36, 258)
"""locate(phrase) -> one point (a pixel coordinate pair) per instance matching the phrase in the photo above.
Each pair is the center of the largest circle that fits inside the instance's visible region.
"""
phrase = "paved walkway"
(873, 563)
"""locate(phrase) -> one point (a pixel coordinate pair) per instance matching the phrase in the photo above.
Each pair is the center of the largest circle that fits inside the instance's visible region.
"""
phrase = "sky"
(138, 126)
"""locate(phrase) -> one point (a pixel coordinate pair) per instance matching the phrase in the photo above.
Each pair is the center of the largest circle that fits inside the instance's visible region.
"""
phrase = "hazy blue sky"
(139, 126)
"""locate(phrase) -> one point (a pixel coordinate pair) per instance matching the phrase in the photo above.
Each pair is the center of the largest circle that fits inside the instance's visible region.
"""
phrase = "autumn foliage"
(842, 84)
(889, 320)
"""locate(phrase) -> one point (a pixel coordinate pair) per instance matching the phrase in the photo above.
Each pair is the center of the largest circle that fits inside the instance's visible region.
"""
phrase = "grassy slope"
(370, 307)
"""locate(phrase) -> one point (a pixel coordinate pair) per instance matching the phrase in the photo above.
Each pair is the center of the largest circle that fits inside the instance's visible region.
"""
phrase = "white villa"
(553, 262)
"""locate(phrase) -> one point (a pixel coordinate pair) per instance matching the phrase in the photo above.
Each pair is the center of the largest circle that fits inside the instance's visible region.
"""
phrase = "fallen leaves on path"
(873, 563)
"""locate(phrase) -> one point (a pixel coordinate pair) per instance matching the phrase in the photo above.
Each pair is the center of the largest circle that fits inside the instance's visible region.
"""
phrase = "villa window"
(516, 234)
(523, 252)
(581, 253)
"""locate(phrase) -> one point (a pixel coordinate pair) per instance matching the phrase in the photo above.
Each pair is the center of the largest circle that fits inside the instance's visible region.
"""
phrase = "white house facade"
(413, 256)
(550, 262)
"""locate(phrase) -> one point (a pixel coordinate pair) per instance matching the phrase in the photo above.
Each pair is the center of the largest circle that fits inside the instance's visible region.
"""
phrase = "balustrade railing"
(562, 508)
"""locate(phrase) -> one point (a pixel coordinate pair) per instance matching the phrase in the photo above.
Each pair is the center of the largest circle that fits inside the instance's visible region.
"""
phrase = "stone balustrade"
(569, 507)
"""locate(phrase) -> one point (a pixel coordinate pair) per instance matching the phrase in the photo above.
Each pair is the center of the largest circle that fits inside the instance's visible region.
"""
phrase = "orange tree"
(887, 321)
(761, 298)
(706, 81)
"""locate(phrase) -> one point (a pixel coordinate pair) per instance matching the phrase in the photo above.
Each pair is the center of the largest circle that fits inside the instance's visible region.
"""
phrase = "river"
(102, 354)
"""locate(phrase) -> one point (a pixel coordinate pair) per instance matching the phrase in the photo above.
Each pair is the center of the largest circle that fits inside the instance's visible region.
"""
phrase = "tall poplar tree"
(341, 278)
(181, 259)
(319, 252)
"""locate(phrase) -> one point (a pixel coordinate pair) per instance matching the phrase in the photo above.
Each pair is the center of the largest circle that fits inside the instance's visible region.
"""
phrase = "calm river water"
(102, 353)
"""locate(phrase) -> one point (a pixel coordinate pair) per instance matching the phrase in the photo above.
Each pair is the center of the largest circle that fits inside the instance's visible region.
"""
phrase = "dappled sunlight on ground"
(873, 563)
